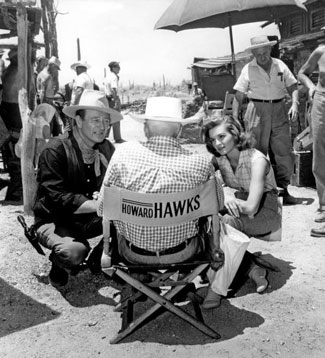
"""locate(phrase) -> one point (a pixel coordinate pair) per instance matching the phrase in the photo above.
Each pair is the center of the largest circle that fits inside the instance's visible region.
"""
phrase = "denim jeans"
(318, 133)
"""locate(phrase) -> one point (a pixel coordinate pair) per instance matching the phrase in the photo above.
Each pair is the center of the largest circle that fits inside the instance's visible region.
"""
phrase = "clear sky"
(123, 30)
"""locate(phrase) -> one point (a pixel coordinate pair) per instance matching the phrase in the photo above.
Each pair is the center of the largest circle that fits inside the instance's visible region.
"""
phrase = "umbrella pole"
(232, 47)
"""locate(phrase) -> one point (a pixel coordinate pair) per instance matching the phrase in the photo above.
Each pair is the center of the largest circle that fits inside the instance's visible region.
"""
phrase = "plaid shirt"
(160, 165)
(241, 179)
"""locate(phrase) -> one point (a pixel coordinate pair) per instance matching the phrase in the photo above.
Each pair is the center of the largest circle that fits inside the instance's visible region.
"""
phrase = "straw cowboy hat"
(55, 61)
(165, 109)
(260, 41)
(95, 100)
(80, 64)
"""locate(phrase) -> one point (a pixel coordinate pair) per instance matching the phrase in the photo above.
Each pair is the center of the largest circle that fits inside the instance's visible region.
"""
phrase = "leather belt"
(267, 100)
(171, 250)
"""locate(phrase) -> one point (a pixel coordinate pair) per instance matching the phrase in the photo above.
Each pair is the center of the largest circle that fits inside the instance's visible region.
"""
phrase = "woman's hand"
(233, 206)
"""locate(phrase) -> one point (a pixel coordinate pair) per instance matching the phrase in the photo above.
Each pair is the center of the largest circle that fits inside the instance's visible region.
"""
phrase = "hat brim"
(78, 64)
(263, 44)
(141, 119)
(71, 112)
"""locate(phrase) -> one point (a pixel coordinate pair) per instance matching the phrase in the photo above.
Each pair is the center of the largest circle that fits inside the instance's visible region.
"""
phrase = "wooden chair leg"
(162, 301)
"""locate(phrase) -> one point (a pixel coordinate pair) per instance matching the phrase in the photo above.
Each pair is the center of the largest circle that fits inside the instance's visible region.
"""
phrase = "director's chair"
(175, 208)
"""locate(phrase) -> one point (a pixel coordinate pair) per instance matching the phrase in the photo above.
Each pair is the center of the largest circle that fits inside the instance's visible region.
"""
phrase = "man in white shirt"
(266, 81)
(112, 93)
(82, 82)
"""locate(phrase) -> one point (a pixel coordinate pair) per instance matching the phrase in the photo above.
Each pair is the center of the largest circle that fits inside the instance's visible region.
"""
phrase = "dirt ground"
(39, 321)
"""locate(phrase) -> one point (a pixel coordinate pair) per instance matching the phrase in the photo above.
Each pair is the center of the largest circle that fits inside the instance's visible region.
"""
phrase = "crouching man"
(71, 171)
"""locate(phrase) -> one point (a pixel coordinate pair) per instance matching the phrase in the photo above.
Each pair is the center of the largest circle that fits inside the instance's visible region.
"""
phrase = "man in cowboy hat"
(83, 81)
(158, 165)
(47, 80)
(266, 81)
(71, 171)
(112, 93)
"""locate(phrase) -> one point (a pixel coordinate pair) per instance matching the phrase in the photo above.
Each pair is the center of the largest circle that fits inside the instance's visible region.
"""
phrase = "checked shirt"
(160, 165)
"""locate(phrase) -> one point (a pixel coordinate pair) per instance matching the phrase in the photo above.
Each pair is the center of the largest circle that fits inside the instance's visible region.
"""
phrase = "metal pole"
(78, 50)
(232, 47)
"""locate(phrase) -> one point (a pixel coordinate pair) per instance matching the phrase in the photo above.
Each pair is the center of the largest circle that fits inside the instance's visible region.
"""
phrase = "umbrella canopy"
(194, 14)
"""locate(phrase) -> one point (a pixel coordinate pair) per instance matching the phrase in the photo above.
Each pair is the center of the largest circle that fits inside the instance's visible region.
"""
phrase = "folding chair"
(158, 210)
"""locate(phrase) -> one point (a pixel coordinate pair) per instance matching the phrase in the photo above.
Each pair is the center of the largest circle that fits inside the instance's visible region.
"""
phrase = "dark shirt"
(65, 182)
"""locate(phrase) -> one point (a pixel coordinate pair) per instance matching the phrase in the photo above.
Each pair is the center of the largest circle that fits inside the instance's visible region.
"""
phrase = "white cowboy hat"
(55, 61)
(165, 109)
(260, 41)
(96, 100)
(80, 64)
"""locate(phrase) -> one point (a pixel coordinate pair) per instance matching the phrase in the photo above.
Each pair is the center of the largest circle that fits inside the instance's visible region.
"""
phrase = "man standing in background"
(82, 82)
(111, 90)
(266, 81)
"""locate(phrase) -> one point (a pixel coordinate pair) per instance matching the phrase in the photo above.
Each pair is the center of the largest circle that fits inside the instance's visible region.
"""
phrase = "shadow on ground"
(25, 312)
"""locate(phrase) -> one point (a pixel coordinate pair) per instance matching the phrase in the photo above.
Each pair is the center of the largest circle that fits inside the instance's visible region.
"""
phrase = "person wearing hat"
(83, 81)
(158, 165)
(112, 93)
(316, 62)
(47, 81)
(10, 113)
(266, 81)
(71, 171)
(40, 63)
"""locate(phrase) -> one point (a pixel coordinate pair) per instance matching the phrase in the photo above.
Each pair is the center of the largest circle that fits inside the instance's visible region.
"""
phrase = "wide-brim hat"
(260, 41)
(55, 61)
(164, 109)
(80, 64)
(95, 100)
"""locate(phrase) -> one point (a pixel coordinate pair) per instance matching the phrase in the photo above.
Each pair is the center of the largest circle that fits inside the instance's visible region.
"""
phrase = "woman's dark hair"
(243, 140)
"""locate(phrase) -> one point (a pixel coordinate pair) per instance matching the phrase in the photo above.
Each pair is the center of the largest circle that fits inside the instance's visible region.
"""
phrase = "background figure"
(11, 116)
(316, 61)
(2, 68)
(83, 81)
(112, 93)
(266, 81)
(40, 64)
(47, 80)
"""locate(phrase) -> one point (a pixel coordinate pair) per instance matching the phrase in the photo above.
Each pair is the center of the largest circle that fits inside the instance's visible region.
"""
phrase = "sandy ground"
(38, 321)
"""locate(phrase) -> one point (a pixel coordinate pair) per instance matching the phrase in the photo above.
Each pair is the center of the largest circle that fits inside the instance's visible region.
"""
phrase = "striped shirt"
(160, 165)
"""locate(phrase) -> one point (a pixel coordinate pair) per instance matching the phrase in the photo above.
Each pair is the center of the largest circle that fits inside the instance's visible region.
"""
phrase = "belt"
(267, 100)
(171, 250)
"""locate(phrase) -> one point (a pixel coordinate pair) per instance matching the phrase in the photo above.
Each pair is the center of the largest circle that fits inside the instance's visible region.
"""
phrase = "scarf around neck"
(90, 155)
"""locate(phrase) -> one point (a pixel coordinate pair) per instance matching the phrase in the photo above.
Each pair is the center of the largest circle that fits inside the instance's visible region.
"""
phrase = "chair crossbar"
(162, 301)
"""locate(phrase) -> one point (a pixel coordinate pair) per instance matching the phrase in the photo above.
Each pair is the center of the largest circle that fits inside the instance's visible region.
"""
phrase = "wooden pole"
(78, 50)
(28, 135)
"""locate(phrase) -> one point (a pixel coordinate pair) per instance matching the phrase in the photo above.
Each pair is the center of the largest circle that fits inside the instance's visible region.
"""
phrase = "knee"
(71, 254)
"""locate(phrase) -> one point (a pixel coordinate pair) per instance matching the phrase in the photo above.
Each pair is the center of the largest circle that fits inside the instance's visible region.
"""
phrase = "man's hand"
(293, 112)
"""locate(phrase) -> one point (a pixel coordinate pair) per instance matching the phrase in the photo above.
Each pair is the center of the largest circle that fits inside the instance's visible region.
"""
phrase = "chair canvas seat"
(199, 202)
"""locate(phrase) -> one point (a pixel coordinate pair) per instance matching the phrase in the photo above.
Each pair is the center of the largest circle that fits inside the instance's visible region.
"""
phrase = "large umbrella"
(194, 14)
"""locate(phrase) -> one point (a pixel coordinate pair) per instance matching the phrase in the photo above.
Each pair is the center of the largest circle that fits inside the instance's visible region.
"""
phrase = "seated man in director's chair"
(160, 167)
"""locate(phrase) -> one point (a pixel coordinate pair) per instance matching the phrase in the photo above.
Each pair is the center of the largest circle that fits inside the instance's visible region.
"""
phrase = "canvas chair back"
(160, 209)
